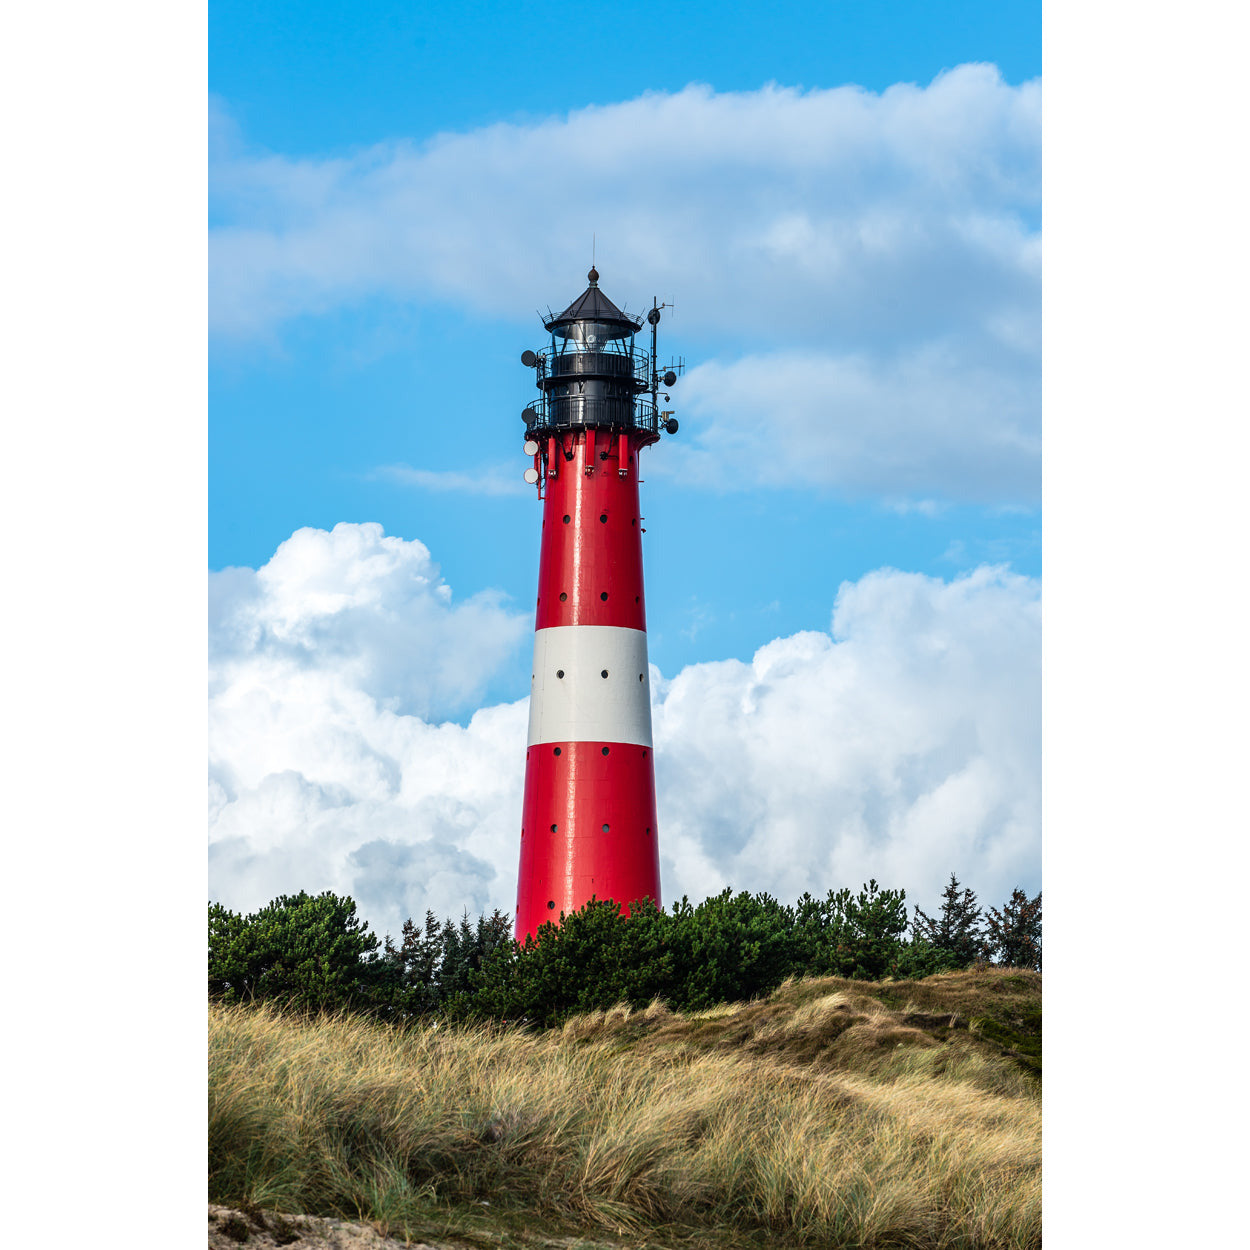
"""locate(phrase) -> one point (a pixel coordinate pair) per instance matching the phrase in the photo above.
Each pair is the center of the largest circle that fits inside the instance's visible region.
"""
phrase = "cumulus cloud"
(902, 743)
(358, 606)
(329, 766)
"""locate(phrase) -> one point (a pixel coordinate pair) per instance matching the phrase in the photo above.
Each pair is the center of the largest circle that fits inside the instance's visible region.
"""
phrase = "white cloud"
(902, 744)
(933, 421)
(875, 255)
(324, 667)
(358, 607)
(802, 216)
(490, 480)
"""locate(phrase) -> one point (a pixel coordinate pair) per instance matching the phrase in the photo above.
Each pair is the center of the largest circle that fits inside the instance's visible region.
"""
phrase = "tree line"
(314, 953)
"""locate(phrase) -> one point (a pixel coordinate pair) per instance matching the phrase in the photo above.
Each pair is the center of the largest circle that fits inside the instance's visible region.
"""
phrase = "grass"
(833, 1113)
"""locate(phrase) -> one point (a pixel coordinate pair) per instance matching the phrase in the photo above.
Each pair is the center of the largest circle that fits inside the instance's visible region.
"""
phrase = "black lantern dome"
(593, 314)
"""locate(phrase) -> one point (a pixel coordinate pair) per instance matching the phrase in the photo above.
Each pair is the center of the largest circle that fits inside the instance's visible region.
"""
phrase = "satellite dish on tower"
(529, 359)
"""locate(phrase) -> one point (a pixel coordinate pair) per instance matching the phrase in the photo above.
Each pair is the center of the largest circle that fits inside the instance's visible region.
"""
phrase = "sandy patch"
(228, 1229)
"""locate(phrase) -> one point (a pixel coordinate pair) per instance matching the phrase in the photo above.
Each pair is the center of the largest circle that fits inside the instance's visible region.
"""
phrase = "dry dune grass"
(819, 1116)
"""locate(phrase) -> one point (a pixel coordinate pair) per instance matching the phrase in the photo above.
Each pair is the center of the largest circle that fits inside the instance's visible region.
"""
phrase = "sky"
(843, 205)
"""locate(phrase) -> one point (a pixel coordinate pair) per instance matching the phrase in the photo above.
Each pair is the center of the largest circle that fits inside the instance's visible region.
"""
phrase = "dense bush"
(313, 953)
(304, 952)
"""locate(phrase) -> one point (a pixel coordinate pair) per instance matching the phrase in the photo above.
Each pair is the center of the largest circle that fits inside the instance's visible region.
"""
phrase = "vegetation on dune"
(834, 1112)
(313, 953)
(737, 1073)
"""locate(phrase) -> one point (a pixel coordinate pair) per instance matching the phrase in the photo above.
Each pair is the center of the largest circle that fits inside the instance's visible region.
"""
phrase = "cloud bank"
(938, 421)
(858, 259)
(796, 214)
(902, 743)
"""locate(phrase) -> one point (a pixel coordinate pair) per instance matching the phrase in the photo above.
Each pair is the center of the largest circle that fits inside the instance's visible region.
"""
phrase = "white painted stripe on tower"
(583, 705)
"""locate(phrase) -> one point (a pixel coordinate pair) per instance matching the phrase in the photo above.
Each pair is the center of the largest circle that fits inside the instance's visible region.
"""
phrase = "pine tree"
(1015, 933)
(959, 929)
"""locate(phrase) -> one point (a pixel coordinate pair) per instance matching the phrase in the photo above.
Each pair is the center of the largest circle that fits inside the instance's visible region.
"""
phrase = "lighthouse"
(588, 819)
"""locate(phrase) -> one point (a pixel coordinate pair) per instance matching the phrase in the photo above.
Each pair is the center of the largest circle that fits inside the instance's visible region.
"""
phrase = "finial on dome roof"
(593, 275)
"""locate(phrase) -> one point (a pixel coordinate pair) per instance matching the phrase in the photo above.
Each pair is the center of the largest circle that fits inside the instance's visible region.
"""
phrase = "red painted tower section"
(588, 824)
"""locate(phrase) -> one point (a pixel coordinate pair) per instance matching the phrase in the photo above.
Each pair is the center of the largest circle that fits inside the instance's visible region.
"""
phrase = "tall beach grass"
(819, 1116)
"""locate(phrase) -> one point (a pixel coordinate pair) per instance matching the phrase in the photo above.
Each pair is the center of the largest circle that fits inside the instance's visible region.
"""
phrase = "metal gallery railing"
(572, 412)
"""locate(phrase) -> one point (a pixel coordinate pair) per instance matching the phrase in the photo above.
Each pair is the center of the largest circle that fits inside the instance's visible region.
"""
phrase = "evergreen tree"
(415, 962)
(958, 930)
(1015, 933)
(440, 964)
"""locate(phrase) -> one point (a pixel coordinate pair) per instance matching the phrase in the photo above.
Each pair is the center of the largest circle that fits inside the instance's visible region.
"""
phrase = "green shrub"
(304, 952)
(314, 954)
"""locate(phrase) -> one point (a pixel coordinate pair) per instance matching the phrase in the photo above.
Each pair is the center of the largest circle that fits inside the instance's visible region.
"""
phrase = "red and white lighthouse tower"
(588, 823)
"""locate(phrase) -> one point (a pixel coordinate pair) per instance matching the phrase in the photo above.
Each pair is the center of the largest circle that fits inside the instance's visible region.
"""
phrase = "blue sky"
(303, 415)
(313, 78)
(843, 202)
